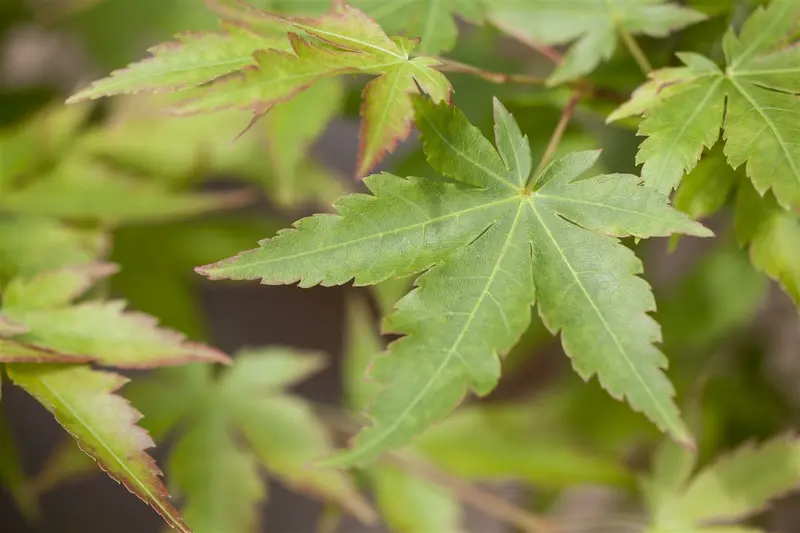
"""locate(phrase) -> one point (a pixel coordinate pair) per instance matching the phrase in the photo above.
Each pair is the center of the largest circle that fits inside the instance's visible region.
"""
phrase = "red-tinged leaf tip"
(104, 425)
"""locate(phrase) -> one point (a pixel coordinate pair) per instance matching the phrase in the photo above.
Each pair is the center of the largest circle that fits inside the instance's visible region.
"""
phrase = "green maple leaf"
(593, 25)
(772, 235)
(683, 108)
(258, 75)
(194, 59)
(103, 424)
(81, 189)
(493, 243)
(47, 317)
(31, 245)
(430, 21)
(728, 490)
(762, 226)
(280, 432)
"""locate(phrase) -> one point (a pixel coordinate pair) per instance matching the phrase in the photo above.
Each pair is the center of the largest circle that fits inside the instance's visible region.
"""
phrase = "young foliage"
(761, 225)
(493, 242)
(728, 490)
(683, 108)
(249, 399)
(49, 318)
(594, 26)
(772, 235)
(31, 245)
(260, 74)
(82, 189)
(104, 424)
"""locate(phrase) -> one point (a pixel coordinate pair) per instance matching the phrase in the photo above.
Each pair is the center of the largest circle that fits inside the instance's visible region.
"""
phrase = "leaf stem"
(588, 89)
(484, 501)
(635, 50)
(451, 65)
(547, 51)
(558, 133)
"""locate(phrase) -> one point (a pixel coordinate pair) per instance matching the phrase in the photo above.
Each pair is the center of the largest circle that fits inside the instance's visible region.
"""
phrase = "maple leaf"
(280, 432)
(81, 189)
(29, 245)
(194, 59)
(492, 244)
(99, 330)
(103, 424)
(728, 490)
(344, 41)
(683, 108)
(762, 226)
(771, 234)
(407, 503)
(430, 21)
(593, 25)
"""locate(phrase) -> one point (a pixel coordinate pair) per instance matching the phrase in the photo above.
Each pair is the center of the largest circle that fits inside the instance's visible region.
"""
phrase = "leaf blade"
(73, 395)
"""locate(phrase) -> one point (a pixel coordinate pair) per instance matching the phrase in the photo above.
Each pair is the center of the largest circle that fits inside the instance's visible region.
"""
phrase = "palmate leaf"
(492, 243)
(593, 26)
(98, 330)
(194, 59)
(344, 41)
(104, 425)
(683, 108)
(279, 432)
(728, 490)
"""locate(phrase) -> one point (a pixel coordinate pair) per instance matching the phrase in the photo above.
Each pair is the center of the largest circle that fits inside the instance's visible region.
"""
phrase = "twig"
(555, 140)
(585, 86)
(450, 65)
(635, 50)
(484, 501)
(547, 51)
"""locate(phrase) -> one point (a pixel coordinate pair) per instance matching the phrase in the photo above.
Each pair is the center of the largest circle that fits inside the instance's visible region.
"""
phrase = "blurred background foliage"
(122, 181)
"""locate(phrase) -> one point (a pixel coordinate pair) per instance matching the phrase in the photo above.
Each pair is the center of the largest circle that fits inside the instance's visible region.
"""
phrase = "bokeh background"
(49, 48)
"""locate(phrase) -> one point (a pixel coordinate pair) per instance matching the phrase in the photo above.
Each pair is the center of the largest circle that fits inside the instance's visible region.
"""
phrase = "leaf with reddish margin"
(342, 41)
(98, 330)
(103, 424)
(387, 110)
(195, 58)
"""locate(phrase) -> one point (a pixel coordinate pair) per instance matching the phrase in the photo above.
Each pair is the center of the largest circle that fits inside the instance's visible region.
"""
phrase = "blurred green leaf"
(12, 477)
(280, 432)
(101, 330)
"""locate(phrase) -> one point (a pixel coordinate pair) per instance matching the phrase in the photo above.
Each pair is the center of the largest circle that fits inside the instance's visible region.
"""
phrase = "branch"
(484, 501)
(450, 65)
